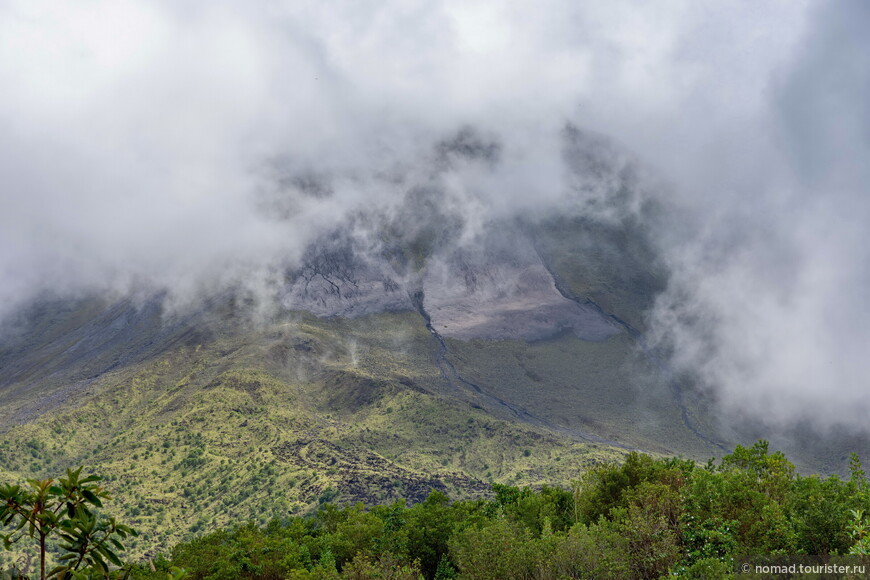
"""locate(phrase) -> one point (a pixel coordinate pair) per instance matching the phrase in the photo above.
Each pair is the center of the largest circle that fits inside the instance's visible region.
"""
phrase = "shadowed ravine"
(457, 381)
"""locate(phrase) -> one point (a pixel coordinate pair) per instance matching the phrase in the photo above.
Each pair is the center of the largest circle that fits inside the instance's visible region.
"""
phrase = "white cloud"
(137, 139)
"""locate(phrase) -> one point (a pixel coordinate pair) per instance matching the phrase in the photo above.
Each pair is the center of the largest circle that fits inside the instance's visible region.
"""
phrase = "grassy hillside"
(287, 415)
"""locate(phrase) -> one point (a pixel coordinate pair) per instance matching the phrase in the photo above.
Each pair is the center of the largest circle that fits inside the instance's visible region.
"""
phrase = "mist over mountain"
(353, 159)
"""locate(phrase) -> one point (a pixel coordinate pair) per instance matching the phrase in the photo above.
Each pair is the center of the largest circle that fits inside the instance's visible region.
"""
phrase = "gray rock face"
(508, 301)
(487, 281)
(501, 290)
(337, 280)
(358, 291)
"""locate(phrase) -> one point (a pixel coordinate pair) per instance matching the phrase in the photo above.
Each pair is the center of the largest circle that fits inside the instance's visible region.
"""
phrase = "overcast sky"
(137, 139)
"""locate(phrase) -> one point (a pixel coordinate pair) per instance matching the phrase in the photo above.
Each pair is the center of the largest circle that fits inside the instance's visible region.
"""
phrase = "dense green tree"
(532, 509)
(495, 551)
(859, 531)
(651, 523)
(602, 488)
(820, 511)
(429, 527)
(599, 551)
(387, 567)
(247, 551)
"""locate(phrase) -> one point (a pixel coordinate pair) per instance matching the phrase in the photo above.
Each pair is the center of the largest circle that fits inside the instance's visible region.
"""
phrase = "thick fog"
(149, 145)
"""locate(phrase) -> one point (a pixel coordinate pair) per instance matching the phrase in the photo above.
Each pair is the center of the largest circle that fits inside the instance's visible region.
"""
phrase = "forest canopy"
(645, 518)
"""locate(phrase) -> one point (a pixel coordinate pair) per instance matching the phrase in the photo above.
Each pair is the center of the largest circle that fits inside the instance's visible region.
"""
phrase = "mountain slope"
(404, 352)
(204, 434)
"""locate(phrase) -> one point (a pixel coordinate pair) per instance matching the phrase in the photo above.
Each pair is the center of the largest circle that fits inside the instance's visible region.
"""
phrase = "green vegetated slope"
(287, 415)
(605, 388)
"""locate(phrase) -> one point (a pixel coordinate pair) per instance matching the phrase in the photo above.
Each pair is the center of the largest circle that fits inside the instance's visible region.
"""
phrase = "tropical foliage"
(62, 513)
(645, 518)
